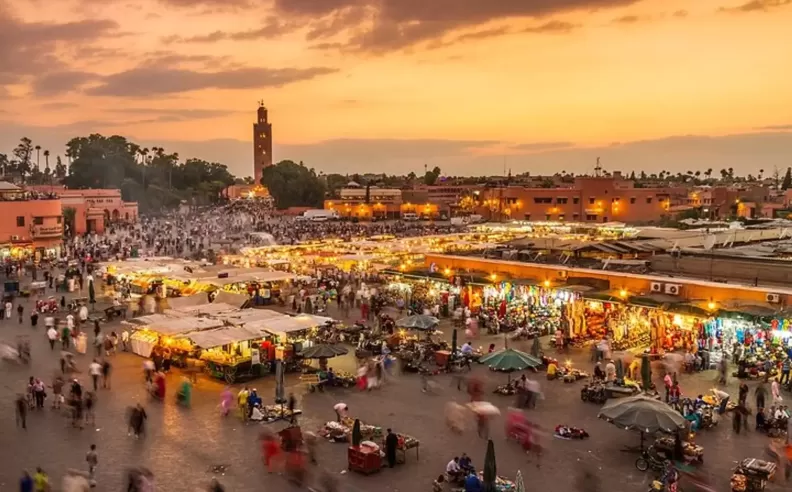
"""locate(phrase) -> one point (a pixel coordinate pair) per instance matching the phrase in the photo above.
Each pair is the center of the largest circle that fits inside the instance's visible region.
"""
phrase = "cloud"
(680, 14)
(774, 128)
(543, 146)
(55, 83)
(385, 25)
(150, 81)
(272, 28)
(28, 48)
(174, 115)
(57, 106)
(554, 26)
(627, 19)
(484, 34)
(757, 6)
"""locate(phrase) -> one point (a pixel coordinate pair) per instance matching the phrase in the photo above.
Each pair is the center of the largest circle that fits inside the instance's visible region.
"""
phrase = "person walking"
(41, 481)
(786, 365)
(34, 318)
(21, 411)
(106, 374)
(96, 370)
(20, 312)
(775, 390)
(52, 336)
(92, 458)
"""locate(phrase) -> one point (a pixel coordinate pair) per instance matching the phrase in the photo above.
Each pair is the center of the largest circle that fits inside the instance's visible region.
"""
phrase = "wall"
(633, 283)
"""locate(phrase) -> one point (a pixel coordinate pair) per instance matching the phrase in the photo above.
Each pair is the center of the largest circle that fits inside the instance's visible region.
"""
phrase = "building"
(30, 222)
(236, 192)
(262, 143)
(92, 209)
(588, 199)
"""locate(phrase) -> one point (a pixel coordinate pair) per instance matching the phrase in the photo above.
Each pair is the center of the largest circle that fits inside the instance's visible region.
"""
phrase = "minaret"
(262, 143)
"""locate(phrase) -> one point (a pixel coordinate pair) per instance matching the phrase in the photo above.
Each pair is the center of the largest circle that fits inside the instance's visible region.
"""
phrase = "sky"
(354, 86)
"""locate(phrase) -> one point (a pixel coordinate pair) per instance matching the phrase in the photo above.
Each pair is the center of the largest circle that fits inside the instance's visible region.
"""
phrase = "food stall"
(231, 353)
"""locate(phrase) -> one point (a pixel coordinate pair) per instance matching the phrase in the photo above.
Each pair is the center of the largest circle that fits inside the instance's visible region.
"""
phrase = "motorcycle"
(594, 393)
(650, 459)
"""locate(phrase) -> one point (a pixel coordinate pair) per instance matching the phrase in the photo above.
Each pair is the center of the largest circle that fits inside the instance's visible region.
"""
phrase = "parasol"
(418, 322)
(323, 351)
(510, 360)
(519, 483)
(643, 414)
(490, 468)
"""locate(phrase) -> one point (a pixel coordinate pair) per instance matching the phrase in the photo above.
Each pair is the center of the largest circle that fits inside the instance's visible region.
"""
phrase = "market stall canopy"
(737, 309)
(184, 325)
(182, 302)
(220, 336)
(418, 322)
(642, 413)
(510, 360)
(247, 316)
(237, 300)
(213, 308)
(603, 296)
(288, 324)
(155, 318)
(323, 351)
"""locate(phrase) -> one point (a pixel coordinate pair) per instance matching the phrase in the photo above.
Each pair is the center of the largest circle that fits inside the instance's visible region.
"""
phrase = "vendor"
(467, 349)
(598, 372)
(472, 483)
(453, 470)
(465, 463)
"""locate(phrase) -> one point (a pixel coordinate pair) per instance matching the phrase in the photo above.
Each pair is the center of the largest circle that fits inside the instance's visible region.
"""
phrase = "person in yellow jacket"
(41, 481)
(242, 402)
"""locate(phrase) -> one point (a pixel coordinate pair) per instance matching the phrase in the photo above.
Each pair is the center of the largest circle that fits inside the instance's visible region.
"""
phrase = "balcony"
(46, 231)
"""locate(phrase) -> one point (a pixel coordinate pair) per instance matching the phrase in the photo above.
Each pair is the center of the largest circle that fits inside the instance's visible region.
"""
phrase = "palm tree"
(761, 172)
(708, 173)
(38, 157)
(46, 161)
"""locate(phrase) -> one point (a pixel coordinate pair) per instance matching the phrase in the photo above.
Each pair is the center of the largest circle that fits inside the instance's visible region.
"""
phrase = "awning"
(221, 336)
(290, 324)
(185, 325)
(182, 302)
(237, 300)
(603, 296)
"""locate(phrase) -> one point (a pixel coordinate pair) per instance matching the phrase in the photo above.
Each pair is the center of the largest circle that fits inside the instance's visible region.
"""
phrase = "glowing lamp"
(547, 283)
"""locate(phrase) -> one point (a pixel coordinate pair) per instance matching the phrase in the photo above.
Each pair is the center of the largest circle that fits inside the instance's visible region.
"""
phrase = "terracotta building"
(588, 199)
(262, 143)
(93, 208)
(30, 222)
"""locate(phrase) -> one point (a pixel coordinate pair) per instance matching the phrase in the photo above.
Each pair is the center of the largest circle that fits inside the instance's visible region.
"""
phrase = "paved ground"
(183, 445)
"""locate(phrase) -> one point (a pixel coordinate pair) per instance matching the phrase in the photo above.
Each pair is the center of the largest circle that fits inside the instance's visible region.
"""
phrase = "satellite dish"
(710, 241)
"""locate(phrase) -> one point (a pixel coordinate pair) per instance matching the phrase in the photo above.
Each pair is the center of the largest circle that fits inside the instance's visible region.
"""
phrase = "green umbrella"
(490, 468)
(510, 360)
(646, 372)
(356, 436)
(418, 322)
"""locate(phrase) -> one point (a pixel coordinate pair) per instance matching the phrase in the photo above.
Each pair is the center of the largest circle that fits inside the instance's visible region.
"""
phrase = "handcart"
(752, 475)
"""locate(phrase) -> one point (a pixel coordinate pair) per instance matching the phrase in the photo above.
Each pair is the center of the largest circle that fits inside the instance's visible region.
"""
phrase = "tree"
(38, 156)
(69, 215)
(60, 169)
(708, 173)
(632, 175)
(46, 162)
(430, 178)
(4, 163)
(22, 155)
(293, 185)
(787, 183)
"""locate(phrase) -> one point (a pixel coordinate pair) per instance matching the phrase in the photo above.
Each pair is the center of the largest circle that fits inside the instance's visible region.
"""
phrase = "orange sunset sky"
(391, 85)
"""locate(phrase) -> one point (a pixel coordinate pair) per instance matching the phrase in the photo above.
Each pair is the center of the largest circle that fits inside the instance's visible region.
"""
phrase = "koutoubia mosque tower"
(262, 143)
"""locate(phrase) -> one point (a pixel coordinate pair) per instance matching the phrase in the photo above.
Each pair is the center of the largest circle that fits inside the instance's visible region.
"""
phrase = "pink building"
(30, 223)
(93, 208)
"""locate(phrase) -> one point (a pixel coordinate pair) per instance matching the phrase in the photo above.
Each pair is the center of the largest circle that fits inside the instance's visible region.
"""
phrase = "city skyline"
(538, 86)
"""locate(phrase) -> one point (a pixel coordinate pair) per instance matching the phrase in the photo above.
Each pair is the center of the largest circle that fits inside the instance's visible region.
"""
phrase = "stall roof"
(188, 301)
(180, 326)
(221, 336)
(248, 316)
(289, 324)
(156, 318)
(208, 308)
(237, 300)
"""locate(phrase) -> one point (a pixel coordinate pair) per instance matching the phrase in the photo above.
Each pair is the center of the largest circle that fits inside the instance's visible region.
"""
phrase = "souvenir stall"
(537, 309)
(231, 353)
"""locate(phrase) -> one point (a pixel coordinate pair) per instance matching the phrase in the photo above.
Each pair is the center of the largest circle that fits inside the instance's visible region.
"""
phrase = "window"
(59, 220)
(591, 217)
(649, 200)
(561, 217)
(38, 220)
(547, 217)
(604, 219)
(615, 200)
(576, 200)
(632, 201)
(20, 221)
(527, 216)
(575, 217)
(592, 200)
(562, 201)
(540, 199)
